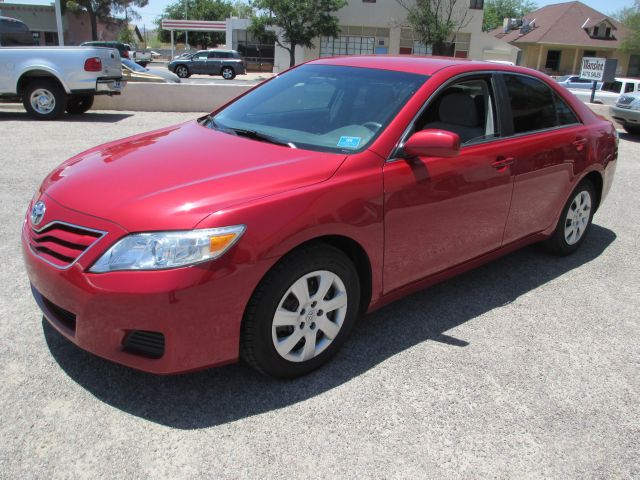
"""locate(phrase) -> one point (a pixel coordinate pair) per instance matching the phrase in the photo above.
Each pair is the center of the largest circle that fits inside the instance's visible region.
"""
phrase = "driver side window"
(466, 108)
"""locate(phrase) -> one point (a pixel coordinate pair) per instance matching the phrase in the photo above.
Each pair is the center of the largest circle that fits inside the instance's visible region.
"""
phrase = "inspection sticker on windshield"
(349, 142)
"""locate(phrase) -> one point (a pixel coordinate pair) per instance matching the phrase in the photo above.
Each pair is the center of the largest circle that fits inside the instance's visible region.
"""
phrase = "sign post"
(598, 70)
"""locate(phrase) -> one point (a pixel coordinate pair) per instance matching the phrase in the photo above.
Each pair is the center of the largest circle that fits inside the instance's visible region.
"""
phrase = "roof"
(402, 63)
(562, 23)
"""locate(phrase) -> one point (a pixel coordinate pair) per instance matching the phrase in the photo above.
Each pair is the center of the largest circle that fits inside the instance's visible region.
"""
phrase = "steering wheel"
(373, 126)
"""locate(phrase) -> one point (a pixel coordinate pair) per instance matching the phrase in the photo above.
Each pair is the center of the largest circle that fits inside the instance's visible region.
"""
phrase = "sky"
(155, 7)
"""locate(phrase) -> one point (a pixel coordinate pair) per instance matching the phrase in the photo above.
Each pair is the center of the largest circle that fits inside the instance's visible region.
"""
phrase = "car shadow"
(629, 137)
(91, 117)
(220, 395)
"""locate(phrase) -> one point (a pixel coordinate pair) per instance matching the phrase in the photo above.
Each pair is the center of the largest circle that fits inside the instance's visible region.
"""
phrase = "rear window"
(532, 104)
(8, 25)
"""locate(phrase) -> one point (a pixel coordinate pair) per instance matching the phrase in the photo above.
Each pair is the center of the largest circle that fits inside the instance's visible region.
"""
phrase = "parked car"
(264, 229)
(626, 111)
(15, 33)
(574, 81)
(132, 72)
(227, 63)
(50, 80)
(141, 58)
(609, 92)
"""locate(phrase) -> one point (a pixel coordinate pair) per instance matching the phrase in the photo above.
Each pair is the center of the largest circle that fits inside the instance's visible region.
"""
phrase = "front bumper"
(197, 310)
(625, 115)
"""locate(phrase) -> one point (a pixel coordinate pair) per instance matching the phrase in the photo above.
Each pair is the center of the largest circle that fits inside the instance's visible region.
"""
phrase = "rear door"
(549, 144)
(214, 63)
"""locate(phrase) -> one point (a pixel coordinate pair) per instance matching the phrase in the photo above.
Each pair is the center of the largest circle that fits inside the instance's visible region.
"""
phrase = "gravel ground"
(528, 367)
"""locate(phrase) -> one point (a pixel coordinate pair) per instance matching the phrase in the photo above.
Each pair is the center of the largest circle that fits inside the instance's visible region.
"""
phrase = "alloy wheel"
(578, 216)
(42, 101)
(309, 316)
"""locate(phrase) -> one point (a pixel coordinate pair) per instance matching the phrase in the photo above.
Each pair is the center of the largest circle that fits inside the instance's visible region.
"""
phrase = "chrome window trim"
(58, 222)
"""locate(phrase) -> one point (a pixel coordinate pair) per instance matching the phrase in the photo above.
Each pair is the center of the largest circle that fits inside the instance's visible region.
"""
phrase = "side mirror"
(432, 143)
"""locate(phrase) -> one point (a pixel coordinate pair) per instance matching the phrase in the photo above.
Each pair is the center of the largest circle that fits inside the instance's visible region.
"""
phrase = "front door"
(440, 212)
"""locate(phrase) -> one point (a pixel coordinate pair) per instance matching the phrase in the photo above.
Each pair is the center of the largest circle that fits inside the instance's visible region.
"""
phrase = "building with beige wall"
(380, 27)
(554, 39)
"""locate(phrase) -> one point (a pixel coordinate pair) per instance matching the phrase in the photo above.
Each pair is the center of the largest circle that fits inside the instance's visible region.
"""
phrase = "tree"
(126, 7)
(495, 11)
(198, 10)
(436, 21)
(298, 22)
(96, 9)
(630, 18)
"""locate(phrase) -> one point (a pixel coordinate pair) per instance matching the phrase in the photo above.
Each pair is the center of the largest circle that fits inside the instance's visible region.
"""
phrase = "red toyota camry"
(264, 229)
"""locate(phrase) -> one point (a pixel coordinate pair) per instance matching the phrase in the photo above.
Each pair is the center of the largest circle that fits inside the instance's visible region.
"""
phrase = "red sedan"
(265, 229)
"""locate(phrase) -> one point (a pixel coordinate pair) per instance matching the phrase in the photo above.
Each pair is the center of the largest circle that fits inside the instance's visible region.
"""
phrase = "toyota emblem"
(37, 212)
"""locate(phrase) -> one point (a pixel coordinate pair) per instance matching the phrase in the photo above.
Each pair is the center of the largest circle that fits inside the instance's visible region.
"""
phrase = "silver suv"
(227, 63)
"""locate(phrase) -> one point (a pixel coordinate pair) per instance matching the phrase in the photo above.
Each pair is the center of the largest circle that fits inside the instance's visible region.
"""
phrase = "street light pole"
(186, 33)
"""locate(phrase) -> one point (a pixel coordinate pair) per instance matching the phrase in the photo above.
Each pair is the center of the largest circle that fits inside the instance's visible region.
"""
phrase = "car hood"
(173, 178)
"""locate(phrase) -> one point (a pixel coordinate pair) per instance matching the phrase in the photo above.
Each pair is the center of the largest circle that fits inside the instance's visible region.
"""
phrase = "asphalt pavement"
(528, 367)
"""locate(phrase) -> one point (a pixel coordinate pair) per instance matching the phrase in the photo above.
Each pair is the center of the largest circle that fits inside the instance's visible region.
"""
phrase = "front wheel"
(228, 73)
(78, 104)
(574, 222)
(182, 71)
(632, 129)
(301, 313)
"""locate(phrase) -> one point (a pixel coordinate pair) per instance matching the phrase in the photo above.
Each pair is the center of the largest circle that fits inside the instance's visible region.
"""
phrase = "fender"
(46, 68)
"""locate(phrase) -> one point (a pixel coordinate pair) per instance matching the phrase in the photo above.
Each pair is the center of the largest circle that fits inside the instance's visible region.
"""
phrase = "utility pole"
(59, 24)
(186, 33)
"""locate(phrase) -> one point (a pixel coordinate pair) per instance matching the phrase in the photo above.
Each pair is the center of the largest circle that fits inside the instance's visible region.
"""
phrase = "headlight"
(635, 105)
(160, 250)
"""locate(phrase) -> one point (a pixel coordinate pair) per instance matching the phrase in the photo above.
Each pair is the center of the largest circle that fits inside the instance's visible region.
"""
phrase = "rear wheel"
(228, 73)
(182, 71)
(301, 313)
(44, 99)
(79, 103)
(574, 222)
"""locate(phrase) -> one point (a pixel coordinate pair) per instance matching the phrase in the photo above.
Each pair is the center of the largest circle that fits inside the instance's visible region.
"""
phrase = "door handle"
(503, 162)
(580, 143)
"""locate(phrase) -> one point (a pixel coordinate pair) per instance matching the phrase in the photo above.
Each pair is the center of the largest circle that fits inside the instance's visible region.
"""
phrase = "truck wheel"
(44, 99)
(228, 73)
(79, 103)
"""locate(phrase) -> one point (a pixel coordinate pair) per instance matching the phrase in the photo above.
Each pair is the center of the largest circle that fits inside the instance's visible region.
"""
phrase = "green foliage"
(198, 10)
(630, 18)
(495, 11)
(126, 36)
(126, 8)
(299, 22)
(435, 22)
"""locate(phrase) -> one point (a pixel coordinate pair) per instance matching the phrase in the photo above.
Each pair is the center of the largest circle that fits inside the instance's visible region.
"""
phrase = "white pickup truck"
(50, 80)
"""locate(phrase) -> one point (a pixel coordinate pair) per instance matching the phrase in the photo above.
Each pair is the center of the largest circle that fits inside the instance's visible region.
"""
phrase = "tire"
(44, 99)
(182, 71)
(632, 129)
(143, 64)
(300, 321)
(228, 73)
(77, 104)
(571, 230)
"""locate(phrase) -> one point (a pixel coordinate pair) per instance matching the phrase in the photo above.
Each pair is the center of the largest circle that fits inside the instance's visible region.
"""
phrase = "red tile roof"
(562, 23)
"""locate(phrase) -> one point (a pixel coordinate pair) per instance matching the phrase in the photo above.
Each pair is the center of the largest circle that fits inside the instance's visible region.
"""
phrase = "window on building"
(344, 45)
(462, 42)
(607, 33)
(532, 105)
(476, 4)
(553, 60)
(589, 53)
(50, 39)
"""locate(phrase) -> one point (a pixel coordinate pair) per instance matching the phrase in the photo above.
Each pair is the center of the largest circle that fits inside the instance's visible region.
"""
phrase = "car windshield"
(321, 107)
(564, 78)
(132, 65)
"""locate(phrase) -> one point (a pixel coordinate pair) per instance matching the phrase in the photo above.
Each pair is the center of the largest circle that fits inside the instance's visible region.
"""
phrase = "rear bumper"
(625, 115)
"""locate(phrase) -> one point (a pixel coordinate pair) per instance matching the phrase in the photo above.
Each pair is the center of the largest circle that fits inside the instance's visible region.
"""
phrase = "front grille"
(147, 344)
(61, 244)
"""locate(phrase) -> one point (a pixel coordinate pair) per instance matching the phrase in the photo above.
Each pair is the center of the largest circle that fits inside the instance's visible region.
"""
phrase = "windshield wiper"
(255, 135)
